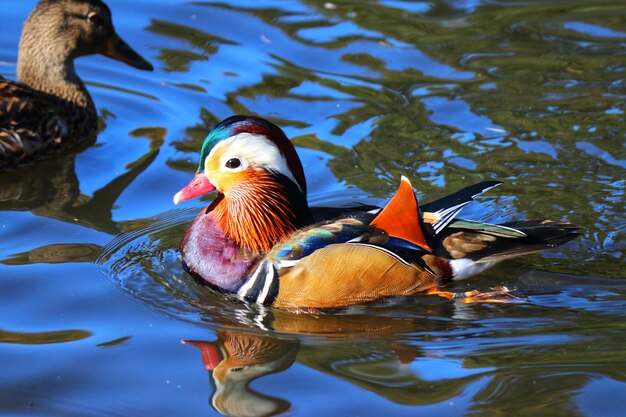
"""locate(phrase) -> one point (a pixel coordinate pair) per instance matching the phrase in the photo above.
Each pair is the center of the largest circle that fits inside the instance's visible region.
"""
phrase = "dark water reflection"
(405, 371)
(446, 92)
(470, 366)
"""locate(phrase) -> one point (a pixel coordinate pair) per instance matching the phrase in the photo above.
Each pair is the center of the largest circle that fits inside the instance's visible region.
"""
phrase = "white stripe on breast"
(270, 277)
(245, 288)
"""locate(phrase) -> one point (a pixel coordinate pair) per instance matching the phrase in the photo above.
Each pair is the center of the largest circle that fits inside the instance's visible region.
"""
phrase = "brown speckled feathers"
(33, 122)
(48, 108)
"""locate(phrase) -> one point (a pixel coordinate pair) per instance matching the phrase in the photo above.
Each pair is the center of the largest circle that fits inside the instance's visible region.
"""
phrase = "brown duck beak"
(117, 49)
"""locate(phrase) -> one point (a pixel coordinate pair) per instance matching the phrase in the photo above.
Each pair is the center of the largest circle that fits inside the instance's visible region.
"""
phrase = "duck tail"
(540, 235)
(475, 246)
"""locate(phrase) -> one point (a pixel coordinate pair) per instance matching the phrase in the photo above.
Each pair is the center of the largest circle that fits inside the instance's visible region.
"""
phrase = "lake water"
(95, 304)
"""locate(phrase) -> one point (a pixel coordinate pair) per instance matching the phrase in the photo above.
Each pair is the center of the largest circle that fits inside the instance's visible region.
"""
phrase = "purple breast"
(212, 256)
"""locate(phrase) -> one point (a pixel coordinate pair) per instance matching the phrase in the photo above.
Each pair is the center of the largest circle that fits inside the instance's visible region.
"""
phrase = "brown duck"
(49, 109)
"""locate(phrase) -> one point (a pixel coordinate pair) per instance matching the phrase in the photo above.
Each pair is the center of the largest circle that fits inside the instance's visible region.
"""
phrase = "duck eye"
(233, 163)
(94, 17)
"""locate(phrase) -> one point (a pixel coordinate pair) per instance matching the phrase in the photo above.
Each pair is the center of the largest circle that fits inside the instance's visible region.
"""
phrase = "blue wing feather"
(346, 230)
(306, 241)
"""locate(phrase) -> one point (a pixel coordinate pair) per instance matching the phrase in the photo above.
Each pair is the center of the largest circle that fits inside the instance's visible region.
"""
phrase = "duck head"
(259, 179)
(235, 360)
(58, 31)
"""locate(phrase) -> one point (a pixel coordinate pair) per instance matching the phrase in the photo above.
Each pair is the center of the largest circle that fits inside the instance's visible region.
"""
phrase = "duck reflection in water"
(236, 359)
(371, 352)
(51, 188)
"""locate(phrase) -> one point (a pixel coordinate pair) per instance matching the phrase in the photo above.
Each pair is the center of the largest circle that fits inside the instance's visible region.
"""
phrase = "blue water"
(95, 304)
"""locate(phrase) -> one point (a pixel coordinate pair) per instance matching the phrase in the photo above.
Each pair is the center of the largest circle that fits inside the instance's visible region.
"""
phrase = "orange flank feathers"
(400, 217)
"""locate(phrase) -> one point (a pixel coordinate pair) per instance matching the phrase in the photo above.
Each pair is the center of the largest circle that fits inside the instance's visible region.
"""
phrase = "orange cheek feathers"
(227, 181)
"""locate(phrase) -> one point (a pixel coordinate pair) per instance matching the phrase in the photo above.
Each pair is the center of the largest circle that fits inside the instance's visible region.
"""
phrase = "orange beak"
(198, 186)
(117, 49)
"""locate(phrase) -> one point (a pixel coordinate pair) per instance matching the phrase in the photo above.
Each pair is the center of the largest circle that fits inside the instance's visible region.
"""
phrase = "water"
(448, 93)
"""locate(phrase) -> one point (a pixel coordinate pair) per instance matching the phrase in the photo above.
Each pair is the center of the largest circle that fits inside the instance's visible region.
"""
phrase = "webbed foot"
(499, 295)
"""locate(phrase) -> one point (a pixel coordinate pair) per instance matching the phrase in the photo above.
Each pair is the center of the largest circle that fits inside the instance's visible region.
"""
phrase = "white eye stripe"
(252, 150)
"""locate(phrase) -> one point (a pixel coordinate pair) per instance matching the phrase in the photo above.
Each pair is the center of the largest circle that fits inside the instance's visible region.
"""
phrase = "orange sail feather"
(400, 217)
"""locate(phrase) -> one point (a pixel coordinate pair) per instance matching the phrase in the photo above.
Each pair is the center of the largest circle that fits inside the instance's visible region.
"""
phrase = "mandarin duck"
(259, 240)
(49, 108)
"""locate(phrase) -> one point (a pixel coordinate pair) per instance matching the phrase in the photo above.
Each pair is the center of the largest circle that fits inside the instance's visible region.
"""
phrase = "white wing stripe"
(387, 251)
(448, 214)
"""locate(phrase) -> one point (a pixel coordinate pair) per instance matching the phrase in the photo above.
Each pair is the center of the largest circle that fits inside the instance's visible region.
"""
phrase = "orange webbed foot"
(499, 295)
(445, 294)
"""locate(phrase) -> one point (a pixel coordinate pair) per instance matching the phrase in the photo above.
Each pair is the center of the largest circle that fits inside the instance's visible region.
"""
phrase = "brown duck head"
(59, 31)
